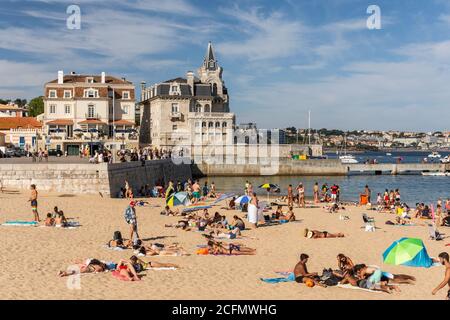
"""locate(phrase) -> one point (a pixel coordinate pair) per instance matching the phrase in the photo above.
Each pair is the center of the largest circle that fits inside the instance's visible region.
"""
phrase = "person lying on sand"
(89, 266)
(372, 281)
(168, 212)
(333, 208)
(162, 250)
(219, 248)
(126, 269)
(217, 233)
(182, 224)
(314, 234)
(140, 265)
(365, 271)
(301, 272)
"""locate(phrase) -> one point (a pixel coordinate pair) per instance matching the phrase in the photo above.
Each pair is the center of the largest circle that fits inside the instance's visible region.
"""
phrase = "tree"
(36, 106)
(20, 102)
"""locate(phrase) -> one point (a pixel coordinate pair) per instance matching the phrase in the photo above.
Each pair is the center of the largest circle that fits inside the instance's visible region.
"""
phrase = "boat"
(445, 159)
(434, 155)
(436, 174)
(347, 158)
(389, 154)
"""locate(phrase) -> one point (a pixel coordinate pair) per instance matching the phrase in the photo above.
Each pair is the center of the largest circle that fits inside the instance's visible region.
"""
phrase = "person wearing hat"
(131, 220)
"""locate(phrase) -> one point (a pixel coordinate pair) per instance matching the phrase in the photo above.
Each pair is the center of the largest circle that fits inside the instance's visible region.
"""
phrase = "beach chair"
(434, 234)
(369, 223)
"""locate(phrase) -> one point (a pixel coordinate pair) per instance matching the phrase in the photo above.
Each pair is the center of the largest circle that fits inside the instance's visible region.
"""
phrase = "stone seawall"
(139, 175)
(90, 178)
(317, 167)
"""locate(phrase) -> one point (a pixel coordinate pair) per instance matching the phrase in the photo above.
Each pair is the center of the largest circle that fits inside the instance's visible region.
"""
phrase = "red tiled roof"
(123, 122)
(91, 121)
(61, 122)
(7, 123)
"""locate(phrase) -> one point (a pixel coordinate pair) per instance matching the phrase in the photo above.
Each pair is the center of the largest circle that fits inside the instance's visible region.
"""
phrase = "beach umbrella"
(224, 197)
(407, 252)
(242, 199)
(195, 208)
(268, 187)
(178, 199)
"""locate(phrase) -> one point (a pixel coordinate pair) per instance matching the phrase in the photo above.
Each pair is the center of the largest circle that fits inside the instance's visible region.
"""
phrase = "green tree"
(36, 106)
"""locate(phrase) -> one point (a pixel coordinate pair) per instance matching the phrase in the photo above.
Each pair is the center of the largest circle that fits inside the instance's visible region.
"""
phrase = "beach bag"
(117, 236)
(202, 251)
(328, 278)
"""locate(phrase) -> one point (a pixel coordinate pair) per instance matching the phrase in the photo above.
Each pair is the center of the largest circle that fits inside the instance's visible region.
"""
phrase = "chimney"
(190, 80)
(60, 77)
(103, 77)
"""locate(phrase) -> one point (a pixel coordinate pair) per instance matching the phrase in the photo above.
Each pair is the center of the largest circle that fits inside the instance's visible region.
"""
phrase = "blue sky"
(280, 58)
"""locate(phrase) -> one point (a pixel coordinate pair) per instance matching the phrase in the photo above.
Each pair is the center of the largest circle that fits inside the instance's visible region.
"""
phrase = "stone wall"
(90, 178)
(70, 178)
(139, 175)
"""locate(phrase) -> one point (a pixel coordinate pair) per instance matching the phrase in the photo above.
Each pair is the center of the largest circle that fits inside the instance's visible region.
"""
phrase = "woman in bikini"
(218, 248)
(127, 270)
(90, 266)
(169, 250)
(315, 234)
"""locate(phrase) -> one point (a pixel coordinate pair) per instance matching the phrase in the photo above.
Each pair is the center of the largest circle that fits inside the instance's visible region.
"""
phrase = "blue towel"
(289, 278)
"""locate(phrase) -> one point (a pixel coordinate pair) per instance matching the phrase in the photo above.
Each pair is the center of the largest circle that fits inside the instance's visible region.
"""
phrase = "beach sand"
(32, 256)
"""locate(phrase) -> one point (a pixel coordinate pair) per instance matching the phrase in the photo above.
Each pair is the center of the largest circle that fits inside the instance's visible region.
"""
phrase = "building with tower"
(187, 110)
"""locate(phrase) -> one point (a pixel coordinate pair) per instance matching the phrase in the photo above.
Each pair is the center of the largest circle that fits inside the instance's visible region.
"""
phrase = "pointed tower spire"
(210, 61)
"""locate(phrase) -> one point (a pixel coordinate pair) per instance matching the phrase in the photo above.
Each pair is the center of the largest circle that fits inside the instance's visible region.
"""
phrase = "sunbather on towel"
(127, 270)
(372, 281)
(387, 277)
(141, 265)
(301, 272)
(314, 234)
(219, 248)
(89, 266)
(162, 250)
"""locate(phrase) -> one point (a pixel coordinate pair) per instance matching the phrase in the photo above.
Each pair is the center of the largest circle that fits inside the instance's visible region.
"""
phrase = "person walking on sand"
(316, 192)
(34, 202)
(290, 197)
(444, 259)
(301, 196)
(131, 220)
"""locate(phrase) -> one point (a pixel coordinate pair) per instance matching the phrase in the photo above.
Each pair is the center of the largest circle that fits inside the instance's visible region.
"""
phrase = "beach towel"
(69, 225)
(113, 248)
(21, 223)
(349, 286)
(289, 278)
(161, 268)
(116, 274)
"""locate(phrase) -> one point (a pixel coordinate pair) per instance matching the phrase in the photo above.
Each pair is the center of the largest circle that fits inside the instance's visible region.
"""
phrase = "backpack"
(328, 278)
(117, 236)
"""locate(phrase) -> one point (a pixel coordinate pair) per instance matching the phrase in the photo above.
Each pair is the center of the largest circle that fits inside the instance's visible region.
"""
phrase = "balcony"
(175, 116)
(95, 116)
(211, 115)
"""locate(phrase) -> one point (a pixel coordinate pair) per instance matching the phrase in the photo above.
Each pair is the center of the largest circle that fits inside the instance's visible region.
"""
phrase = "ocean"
(413, 188)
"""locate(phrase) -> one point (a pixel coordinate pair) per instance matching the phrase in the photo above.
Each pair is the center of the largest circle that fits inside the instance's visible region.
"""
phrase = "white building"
(87, 109)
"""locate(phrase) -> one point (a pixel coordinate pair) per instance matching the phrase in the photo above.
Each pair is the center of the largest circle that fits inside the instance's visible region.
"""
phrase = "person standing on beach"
(246, 188)
(290, 197)
(316, 192)
(367, 192)
(131, 220)
(444, 259)
(34, 203)
(196, 191)
(301, 195)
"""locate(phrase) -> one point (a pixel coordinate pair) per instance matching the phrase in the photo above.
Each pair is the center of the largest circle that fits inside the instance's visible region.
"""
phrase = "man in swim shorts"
(444, 259)
(196, 191)
(301, 272)
(34, 203)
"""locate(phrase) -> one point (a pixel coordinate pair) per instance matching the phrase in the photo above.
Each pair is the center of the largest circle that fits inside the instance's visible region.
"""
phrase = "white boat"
(389, 154)
(445, 159)
(436, 174)
(348, 158)
(434, 155)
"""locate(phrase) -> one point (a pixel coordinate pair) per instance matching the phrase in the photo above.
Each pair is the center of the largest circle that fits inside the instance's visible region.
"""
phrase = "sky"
(280, 58)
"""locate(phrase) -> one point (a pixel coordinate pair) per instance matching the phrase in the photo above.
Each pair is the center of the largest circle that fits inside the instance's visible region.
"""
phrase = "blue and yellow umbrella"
(178, 199)
(407, 252)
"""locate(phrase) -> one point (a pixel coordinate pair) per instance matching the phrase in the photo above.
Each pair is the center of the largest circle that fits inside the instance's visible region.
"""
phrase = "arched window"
(217, 124)
(203, 124)
(198, 108)
(214, 89)
(224, 124)
(210, 125)
(207, 108)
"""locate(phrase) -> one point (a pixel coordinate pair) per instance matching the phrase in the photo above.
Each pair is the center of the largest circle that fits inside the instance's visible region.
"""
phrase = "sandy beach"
(32, 256)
